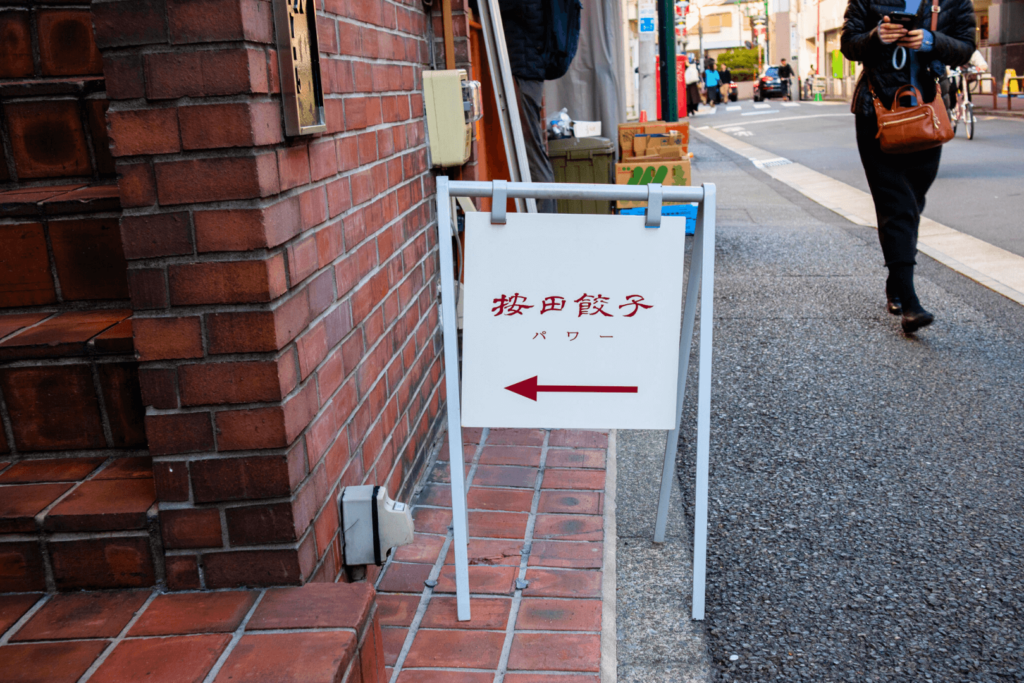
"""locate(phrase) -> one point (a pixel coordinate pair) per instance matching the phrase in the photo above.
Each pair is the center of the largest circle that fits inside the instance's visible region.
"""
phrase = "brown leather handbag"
(902, 130)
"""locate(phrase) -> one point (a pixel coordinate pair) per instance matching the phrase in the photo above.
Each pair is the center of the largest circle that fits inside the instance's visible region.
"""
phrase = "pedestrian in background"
(785, 75)
(894, 56)
(692, 78)
(712, 81)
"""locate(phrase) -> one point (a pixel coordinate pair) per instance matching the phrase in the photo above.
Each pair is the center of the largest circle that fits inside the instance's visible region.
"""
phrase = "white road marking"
(733, 107)
(787, 118)
(763, 111)
(762, 105)
(790, 104)
(987, 264)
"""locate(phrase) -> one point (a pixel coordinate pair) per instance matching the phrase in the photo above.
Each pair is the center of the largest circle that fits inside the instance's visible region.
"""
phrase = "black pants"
(529, 95)
(692, 97)
(898, 184)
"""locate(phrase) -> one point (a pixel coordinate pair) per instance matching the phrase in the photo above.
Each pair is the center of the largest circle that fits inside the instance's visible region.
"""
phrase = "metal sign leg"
(706, 224)
(451, 370)
(668, 472)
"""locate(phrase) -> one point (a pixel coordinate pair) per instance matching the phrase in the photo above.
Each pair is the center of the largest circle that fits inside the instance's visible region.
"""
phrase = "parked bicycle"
(962, 109)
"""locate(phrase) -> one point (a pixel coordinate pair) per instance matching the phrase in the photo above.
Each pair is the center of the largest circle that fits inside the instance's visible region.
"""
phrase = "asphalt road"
(980, 187)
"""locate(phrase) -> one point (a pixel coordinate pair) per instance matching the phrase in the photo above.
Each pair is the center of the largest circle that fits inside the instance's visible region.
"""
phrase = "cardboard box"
(666, 172)
(669, 146)
(629, 131)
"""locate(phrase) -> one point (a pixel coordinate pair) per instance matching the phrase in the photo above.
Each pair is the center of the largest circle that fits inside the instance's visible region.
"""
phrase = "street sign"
(572, 321)
(646, 13)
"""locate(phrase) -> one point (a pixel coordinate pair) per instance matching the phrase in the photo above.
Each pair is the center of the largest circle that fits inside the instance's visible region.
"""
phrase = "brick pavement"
(536, 549)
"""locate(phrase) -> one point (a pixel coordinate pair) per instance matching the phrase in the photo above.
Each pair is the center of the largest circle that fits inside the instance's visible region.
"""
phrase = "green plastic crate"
(583, 160)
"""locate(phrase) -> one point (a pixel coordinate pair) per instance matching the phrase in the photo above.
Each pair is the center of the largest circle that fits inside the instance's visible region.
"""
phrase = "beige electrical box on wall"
(298, 54)
(449, 121)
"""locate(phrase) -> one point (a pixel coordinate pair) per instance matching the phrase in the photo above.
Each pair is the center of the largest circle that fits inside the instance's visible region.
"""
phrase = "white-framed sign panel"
(627, 240)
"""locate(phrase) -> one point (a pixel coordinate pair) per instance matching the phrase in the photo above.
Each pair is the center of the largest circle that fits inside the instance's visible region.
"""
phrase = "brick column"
(284, 290)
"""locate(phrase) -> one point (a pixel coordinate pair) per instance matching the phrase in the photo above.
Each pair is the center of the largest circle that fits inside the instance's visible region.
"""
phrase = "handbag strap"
(935, 15)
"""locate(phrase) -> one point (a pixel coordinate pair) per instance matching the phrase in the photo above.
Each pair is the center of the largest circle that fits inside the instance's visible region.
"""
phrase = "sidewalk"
(537, 527)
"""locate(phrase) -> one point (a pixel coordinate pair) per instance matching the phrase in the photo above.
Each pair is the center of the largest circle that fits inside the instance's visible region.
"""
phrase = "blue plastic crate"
(688, 210)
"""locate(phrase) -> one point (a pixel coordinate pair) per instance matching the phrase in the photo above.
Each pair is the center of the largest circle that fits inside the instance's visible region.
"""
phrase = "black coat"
(541, 36)
(953, 45)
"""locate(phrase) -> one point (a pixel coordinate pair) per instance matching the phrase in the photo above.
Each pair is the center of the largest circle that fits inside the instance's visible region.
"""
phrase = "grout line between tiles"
(13, 630)
(235, 637)
(117, 639)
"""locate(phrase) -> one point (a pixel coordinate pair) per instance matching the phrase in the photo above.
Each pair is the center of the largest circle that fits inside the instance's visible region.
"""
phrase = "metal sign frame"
(701, 276)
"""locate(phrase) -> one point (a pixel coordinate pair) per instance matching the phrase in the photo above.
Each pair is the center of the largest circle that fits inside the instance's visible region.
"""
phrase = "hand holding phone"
(890, 32)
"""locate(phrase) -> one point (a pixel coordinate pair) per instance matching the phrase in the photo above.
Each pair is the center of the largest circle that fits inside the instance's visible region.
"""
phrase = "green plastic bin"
(583, 160)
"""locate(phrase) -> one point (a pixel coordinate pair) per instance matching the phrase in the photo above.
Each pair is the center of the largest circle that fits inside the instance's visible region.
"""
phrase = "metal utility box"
(583, 160)
(298, 56)
(449, 127)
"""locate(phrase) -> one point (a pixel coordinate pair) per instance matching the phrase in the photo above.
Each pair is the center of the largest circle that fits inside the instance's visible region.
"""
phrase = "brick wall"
(284, 290)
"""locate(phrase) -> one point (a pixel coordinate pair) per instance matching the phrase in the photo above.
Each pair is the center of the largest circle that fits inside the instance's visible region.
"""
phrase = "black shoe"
(912, 322)
(893, 305)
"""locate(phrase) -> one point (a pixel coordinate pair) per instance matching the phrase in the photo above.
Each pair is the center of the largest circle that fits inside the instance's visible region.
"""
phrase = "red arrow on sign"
(529, 388)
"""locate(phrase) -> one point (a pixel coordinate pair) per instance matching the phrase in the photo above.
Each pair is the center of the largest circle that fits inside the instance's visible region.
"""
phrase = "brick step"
(78, 523)
(319, 633)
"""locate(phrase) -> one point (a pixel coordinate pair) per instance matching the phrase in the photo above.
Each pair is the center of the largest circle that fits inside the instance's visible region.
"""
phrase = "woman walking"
(692, 77)
(890, 39)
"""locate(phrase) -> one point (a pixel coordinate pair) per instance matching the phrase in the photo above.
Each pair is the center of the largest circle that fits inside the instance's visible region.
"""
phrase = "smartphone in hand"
(904, 19)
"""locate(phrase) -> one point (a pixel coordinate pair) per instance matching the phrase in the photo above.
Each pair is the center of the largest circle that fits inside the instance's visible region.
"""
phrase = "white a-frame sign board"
(572, 321)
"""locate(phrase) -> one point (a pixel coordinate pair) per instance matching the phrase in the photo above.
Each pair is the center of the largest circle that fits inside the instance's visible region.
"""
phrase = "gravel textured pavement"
(867, 488)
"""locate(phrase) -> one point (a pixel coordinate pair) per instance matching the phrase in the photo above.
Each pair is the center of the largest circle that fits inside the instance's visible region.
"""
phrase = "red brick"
(102, 563)
(445, 676)
(550, 678)
(517, 477)
(259, 331)
(140, 467)
(123, 76)
(50, 662)
(511, 455)
(293, 163)
(313, 206)
(393, 639)
(302, 260)
(206, 21)
(575, 438)
(21, 567)
(237, 382)
(576, 459)
(20, 505)
(252, 568)
(484, 580)
(191, 528)
(144, 131)
(555, 652)
(266, 427)
(249, 478)
(490, 524)
(488, 614)
(16, 37)
(82, 615)
(338, 605)
(581, 502)
(236, 124)
(170, 75)
(261, 524)
(170, 615)
(404, 578)
(148, 288)
(159, 388)
(136, 184)
(247, 229)
(227, 282)
(163, 338)
(515, 437)
(89, 259)
(183, 433)
(162, 660)
(566, 554)
(182, 572)
(66, 45)
(290, 657)
(339, 196)
(47, 139)
(25, 278)
(129, 22)
(582, 480)
(424, 549)
(155, 235)
(13, 607)
(486, 551)
(397, 610)
(456, 649)
(323, 159)
(52, 408)
(569, 527)
(537, 614)
(500, 499)
(192, 181)
(104, 505)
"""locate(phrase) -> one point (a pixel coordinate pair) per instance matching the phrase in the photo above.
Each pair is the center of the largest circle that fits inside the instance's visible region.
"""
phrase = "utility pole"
(667, 55)
(767, 44)
(645, 24)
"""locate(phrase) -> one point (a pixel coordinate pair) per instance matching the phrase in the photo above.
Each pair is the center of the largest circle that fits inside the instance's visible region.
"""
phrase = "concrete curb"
(609, 655)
